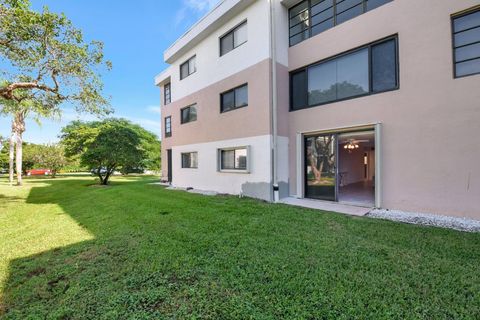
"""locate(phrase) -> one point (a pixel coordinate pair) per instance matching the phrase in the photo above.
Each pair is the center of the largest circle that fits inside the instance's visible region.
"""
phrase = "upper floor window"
(190, 160)
(233, 38)
(188, 67)
(188, 114)
(168, 126)
(368, 70)
(466, 43)
(234, 98)
(311, 17)
(167, 95)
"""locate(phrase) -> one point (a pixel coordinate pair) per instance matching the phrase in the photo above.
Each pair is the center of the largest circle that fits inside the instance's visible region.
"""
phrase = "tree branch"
(7, 92)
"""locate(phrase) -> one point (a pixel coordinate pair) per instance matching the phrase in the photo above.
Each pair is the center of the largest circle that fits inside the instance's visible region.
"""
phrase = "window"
(233, 39)
(188, 67)
(466, 44)
(167, 97)
(190, 160)
(188, 114)
(234, 99)
(234, 159)
(168, 126)
(311, 17)
(368, 70)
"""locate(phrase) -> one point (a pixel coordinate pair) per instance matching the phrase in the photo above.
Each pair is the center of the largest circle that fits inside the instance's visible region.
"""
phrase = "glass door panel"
(320, 167)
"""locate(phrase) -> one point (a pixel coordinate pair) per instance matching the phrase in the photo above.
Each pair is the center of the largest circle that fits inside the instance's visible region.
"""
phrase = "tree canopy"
(110, 145)
(48, 61)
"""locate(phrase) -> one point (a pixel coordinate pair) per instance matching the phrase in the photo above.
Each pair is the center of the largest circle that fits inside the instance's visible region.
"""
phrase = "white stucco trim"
(255, 183)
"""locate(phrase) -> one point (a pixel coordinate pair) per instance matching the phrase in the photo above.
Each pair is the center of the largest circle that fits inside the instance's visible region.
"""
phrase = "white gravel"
(461, 224)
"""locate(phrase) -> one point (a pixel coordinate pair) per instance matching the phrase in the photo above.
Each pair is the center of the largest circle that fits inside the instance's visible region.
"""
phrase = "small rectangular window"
(188, 67)
(368, 70)
(233, 38)
(234, 99)
(168, 126)
(234, 159)
(190, 160)
(167, 95)
(466, 43)
(188, 114)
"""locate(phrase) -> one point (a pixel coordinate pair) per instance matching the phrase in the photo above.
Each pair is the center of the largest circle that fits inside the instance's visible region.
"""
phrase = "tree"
(49, 64)
(104, 146)
(51, 156)
(150, 144)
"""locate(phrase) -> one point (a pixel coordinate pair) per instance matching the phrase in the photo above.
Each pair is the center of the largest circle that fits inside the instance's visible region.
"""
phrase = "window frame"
(169, 86)
(232, 32)
(190, 72)
(188, 153)
(187, 108)
(370, 80)
(168, 134)
(454, 48)
(220, 164)
(234, 98)
(363, 4)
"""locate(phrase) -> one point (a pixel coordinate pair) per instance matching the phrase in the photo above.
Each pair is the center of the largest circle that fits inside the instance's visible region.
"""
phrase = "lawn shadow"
(159, 254)
(4, 199)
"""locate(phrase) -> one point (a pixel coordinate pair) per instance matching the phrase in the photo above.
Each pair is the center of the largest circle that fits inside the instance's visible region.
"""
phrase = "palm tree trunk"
(19, 159)
(11, 157)
(18, 127)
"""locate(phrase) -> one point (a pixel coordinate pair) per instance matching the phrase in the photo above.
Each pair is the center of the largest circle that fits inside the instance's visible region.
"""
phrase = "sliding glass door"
(321, 167)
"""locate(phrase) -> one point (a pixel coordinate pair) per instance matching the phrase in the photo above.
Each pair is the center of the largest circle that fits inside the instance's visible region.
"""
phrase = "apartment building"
(368, 102)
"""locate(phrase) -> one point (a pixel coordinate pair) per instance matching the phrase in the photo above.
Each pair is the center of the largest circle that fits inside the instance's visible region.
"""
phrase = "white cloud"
(192, 10)
(153, 109)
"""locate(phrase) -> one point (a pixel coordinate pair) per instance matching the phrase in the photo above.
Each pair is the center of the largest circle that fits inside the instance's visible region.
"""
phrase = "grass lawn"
(137, 251)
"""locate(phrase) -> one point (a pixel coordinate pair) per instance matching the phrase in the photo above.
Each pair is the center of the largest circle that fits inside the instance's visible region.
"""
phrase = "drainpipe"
(273, 48)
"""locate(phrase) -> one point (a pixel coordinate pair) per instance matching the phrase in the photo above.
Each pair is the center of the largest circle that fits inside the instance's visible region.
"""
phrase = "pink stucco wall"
(430, 142)
(211, 125)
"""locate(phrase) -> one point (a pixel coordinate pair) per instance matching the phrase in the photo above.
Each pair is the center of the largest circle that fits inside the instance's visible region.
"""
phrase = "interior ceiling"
(367, 135)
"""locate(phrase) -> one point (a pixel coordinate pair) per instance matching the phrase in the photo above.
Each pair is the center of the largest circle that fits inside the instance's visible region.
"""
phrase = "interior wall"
(352, 163)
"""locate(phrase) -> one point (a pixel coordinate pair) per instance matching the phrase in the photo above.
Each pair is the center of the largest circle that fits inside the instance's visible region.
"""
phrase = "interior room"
(356, 168)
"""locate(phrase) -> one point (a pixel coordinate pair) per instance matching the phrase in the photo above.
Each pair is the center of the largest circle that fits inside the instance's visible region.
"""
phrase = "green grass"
(137, 251)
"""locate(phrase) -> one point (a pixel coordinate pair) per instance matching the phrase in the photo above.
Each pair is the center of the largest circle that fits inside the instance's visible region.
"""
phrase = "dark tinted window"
(466, 42)
(167, 94)
(299, 89)
(190, 160)
(233, 159)
(233, 39)
(189, 114)
(322, 80)
(340, 78)
(384, 66)
(188, 67)
(352, 75)
(310, 17)
(346, 76)
(235, 98)
(228, 101)
(168, 126)
(372, 4)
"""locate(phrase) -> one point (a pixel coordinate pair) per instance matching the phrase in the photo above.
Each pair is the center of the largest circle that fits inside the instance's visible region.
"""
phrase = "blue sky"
(135, 34)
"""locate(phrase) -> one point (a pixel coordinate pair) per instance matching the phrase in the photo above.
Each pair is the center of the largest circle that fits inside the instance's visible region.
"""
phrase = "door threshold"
(357, 204)
(327, 206)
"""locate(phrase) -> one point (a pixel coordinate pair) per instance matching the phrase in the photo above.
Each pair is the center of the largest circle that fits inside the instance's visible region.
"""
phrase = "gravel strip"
(461, 224)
